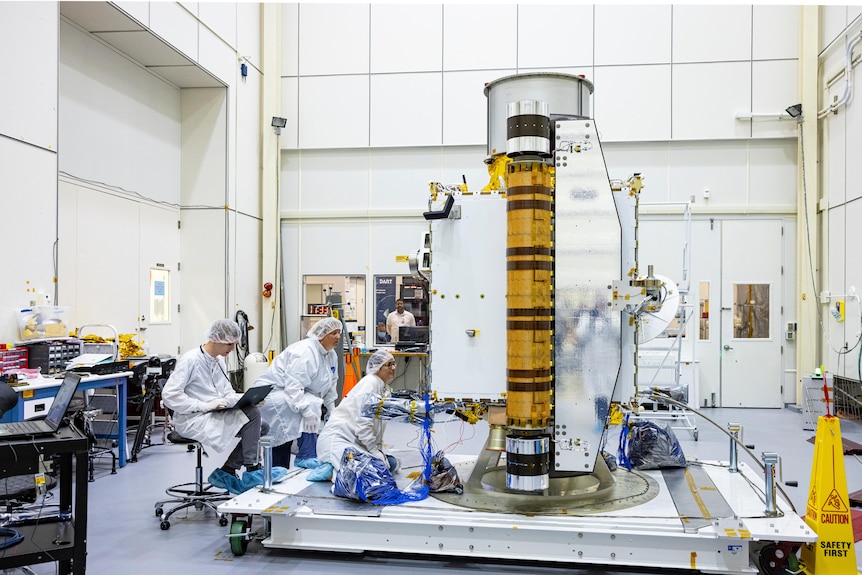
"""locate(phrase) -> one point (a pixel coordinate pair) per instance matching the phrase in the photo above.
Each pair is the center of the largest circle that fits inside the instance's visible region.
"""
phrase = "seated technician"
(197, 391)
(348, 428)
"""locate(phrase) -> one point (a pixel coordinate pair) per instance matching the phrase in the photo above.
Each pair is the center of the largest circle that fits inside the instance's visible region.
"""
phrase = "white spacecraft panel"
(468, 299)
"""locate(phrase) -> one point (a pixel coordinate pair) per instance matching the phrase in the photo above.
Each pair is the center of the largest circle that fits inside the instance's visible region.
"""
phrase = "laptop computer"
(252, 396)
(53, 418)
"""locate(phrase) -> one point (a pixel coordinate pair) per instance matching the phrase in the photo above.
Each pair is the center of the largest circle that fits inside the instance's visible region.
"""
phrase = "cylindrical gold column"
(529, 265)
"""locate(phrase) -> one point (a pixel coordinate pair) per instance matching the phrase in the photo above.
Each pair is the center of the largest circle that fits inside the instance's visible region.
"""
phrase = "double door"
(736, 292)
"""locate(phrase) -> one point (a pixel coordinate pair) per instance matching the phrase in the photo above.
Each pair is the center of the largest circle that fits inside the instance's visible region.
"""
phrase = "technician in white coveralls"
(198, 391)
(304, 377)
(348, 428)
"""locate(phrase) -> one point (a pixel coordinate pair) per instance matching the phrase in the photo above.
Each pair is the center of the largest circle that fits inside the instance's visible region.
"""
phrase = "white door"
(751, 336)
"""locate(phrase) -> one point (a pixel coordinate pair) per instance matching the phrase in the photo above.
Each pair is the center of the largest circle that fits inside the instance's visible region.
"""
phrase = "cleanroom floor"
(124, 534)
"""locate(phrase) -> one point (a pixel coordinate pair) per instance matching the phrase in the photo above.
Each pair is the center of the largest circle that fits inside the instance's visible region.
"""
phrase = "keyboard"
(24, 427)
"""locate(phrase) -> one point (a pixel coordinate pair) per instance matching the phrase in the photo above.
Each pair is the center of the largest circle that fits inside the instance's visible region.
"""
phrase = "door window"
(751, 311)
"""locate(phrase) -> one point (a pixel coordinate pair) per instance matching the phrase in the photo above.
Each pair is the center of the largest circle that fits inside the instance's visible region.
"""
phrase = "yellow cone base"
(828, 509)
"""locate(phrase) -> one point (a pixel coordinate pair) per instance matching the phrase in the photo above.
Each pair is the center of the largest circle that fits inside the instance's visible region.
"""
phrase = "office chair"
(198, 494)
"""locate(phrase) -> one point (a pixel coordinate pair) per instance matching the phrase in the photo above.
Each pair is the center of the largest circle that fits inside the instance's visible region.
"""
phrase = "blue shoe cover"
(322, 472)
(278, 474)
(252, 479)
(393, 463)
(221, 479)
(310, 463)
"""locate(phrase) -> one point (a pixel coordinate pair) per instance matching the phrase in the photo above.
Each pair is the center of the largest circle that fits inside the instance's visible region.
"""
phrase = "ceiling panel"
(118, 30)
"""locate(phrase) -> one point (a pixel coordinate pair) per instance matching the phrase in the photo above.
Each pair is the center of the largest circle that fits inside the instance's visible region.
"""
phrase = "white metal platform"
(305, 516)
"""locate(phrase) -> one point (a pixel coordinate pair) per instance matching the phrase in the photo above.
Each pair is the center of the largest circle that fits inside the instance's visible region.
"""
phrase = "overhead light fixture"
(278, 123)
(795, 111)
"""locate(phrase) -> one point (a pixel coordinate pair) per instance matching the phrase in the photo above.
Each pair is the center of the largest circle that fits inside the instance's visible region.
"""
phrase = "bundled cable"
(363, 477)
(399, 409)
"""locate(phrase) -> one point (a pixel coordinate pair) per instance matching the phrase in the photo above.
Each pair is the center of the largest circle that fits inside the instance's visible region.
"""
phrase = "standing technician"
(398, 318)
(304, 378)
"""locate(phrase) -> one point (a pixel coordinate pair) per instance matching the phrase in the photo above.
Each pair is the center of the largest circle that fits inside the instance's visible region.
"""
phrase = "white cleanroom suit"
(347, 427)
(198, 380)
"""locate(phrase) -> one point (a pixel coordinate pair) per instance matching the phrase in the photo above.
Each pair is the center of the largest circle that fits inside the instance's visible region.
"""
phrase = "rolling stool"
(187, 495)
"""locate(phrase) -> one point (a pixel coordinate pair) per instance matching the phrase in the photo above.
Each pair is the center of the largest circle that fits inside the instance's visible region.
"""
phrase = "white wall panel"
(835, 276)
(399, 177)
(650, 159)
(333, 39)
(333, 111)
(290, 111)
(634, 103)
(705, 102)
(834, 165)
(720, 167)
(290, 39)
(775, 32)
(853, 119)
(106, 226)
(853, 271)
(833, 20)
(248, 32)
(536, 22)
(192, 7)
(711, 33)
(65, 202)
(774, 88)
(221, 18)
(29, 191)
(406, 38)
(772, 172)
(388, 239)
(204, 147)
(344, 253)
(218, 58)
(466, 161)
(247, 274)
(30, 109)
(290, 262)
(291, 167)
(632, 34)
(478, 38)
(334, 181)
(203, 274)
(176, 26)
(140, 11)
(406, 109)
(465, 107)
(119, 124)
(247, 144)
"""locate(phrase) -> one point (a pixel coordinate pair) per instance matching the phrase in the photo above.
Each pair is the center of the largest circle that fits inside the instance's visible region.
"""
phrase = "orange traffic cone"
(828, 509)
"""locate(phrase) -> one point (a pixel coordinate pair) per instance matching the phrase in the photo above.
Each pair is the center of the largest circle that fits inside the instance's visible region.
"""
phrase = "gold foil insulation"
(529, 309)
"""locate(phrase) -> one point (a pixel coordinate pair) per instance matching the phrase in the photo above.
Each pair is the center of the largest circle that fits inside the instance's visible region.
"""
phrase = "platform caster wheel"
(159, 511)
(165, 525)
(773, 560)
(238, 541)
(222, 520)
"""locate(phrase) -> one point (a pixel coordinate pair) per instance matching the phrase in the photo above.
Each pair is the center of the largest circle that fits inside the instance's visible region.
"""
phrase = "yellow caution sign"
(828, 511)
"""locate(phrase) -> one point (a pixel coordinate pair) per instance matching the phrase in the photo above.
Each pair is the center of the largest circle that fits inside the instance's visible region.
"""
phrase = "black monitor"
(413, 334)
